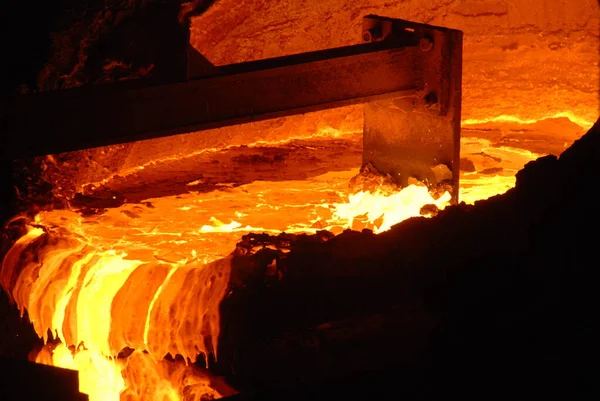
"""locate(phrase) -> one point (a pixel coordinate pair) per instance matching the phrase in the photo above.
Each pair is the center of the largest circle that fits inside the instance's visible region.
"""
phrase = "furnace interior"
(176, 205)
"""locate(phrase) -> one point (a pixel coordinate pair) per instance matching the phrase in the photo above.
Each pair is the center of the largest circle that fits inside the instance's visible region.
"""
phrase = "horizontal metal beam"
(66, 120)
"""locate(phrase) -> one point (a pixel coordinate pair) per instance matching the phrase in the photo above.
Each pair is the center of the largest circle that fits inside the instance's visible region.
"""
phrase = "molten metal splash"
(150, 278)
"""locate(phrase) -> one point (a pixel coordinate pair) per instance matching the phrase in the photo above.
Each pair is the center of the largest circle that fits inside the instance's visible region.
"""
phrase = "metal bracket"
(418, 136)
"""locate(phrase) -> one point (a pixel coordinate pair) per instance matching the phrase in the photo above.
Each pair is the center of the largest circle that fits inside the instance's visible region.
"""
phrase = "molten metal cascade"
(115, 293)
(102, 301)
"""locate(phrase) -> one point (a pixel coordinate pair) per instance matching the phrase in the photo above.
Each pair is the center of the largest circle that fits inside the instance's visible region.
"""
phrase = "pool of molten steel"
(114, 293)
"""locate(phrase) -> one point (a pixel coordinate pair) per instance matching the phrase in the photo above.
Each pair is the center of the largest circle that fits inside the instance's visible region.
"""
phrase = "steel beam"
(66, 120)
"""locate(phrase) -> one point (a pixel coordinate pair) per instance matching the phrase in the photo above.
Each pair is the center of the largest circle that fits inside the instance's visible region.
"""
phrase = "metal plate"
(419, 136)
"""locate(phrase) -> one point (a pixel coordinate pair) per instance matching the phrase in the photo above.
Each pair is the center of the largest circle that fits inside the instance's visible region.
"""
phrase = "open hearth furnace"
(226, 227)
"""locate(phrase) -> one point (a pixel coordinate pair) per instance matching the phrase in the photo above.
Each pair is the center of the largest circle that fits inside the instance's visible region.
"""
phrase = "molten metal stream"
(150, 277)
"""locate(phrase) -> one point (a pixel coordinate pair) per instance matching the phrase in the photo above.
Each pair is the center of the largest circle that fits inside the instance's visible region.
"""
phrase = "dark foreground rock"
(495, 298)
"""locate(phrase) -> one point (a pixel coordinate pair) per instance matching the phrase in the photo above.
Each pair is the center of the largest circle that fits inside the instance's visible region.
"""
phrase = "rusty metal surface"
(419, 136)
(54, 122)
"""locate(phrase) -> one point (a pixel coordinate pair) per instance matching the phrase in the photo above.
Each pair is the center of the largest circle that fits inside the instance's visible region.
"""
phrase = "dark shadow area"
(25, 39)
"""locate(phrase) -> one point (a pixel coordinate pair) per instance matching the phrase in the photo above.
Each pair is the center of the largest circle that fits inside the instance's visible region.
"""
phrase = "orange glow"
(150, 278)
(583, 123)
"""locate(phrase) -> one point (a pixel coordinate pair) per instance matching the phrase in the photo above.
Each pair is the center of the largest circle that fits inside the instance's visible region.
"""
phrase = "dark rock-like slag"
(496, 297)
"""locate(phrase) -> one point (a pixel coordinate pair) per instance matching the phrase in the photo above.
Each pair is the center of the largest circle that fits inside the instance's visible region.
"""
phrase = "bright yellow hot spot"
(99, 377)
(389, 209)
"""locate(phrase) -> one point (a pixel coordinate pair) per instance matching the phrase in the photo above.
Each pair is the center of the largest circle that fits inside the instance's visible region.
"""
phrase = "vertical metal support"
(418, 136)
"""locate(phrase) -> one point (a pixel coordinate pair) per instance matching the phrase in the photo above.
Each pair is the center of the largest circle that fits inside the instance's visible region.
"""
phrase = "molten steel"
(149, 278)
